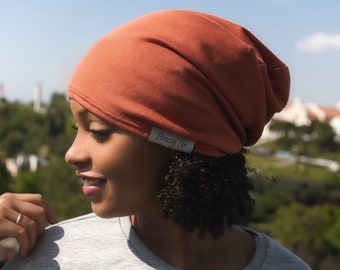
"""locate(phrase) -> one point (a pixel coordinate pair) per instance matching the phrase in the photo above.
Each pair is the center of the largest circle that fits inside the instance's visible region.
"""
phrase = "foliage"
(5, 178)
(311, 140)
(314, 226)
(17, 124)
(56, 115)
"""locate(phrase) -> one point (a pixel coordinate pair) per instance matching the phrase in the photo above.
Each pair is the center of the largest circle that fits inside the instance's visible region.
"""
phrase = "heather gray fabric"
(270, 255)
(90, 242)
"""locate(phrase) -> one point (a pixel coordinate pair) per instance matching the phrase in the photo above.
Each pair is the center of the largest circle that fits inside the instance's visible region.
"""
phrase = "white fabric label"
(170, 140)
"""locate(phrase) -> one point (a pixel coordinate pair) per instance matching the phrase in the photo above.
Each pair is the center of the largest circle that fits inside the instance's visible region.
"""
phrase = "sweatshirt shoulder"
(278, 257)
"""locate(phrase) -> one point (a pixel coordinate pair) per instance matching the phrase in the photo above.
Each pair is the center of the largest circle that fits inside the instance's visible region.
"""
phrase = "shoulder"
(80, 223)
(272, 255)
(84, 219)
(86, 227)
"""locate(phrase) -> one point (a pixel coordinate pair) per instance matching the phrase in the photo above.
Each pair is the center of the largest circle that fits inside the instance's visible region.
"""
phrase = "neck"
(185, 250)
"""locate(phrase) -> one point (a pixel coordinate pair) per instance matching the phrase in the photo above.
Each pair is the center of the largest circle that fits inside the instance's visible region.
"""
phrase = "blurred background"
(294, 167)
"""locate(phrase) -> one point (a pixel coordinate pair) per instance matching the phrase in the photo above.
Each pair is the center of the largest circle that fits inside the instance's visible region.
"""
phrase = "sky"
(42, 41)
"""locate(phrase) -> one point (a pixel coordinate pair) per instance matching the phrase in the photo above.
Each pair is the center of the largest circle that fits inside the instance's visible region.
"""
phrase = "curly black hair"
(208, 194)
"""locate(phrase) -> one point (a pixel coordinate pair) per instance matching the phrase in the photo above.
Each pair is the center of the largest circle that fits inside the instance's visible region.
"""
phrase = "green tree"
(323, 138)
(316, 138)
(28, 182)
(58, 112)
(5, 178)
(311, 227)
(59, 124)
(22, 129)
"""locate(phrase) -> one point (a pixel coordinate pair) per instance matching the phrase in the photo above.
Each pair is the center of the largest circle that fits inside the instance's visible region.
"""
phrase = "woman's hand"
(23, 217)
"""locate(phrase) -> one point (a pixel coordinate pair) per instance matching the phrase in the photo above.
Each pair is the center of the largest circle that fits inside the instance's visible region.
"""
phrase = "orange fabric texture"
(193, 74)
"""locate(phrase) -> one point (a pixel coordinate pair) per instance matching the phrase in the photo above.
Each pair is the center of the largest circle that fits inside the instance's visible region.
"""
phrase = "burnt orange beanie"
(184, 79)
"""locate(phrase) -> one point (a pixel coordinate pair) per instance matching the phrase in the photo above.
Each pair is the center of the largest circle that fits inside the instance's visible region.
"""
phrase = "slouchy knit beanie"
(184, 79)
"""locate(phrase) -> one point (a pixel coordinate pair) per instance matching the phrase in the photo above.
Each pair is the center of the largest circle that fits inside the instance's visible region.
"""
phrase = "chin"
(106, 212)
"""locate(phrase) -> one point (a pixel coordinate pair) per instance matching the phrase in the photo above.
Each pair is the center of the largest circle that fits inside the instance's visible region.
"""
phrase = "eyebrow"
(85, 114)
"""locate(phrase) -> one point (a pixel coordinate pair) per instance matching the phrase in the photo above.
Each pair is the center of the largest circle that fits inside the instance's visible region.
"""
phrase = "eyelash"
(99, 135)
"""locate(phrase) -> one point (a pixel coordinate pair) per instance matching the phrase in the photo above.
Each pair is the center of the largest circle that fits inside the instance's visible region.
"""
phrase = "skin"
(132, 169)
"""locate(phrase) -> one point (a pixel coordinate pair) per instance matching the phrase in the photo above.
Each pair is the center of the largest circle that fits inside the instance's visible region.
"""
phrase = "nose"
(77, 154)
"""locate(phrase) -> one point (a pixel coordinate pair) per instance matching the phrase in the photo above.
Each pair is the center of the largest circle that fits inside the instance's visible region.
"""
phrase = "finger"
(30, 227)
(37, 199)
(10, 229)
(35, 215)
(25, 222)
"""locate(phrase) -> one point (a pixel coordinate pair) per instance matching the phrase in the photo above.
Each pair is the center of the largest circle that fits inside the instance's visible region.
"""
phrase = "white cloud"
(319, 42)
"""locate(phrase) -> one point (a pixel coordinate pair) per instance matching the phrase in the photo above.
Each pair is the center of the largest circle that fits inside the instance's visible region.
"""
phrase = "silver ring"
(19, 219)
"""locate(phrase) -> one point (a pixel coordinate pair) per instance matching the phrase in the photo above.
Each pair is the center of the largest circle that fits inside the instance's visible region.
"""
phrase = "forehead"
(79, 112)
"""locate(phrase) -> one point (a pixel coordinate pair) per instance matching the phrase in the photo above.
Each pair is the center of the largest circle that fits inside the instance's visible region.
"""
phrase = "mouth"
(92, 181)
(92, 185)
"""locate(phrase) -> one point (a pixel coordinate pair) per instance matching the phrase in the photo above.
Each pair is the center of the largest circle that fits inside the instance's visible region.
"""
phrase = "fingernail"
(24, 254)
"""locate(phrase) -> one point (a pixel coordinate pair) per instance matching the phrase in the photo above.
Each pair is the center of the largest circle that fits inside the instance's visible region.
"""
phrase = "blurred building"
(37, 97)
(302, 114)
(2, 91)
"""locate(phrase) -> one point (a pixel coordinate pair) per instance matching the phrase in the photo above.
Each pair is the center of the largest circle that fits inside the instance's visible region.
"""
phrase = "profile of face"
(121, 173)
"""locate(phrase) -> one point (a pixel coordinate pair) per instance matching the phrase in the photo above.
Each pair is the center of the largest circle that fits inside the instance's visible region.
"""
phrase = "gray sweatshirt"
(91, 242)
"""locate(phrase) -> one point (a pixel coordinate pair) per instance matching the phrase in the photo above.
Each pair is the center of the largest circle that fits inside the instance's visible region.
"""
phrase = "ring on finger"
(19, 219)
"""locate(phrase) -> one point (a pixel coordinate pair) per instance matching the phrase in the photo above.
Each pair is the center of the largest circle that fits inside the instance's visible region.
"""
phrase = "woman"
(163, 107)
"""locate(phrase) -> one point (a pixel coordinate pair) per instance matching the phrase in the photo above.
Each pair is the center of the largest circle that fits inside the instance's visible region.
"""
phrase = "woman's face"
(121, 173)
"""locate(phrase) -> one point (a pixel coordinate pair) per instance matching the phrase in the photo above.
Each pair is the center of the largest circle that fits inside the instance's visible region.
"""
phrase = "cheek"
(140, 176)
(128, 171)
(131, 189)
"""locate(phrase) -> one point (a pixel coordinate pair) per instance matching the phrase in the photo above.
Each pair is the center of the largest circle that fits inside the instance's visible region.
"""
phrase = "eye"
(100, 135)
